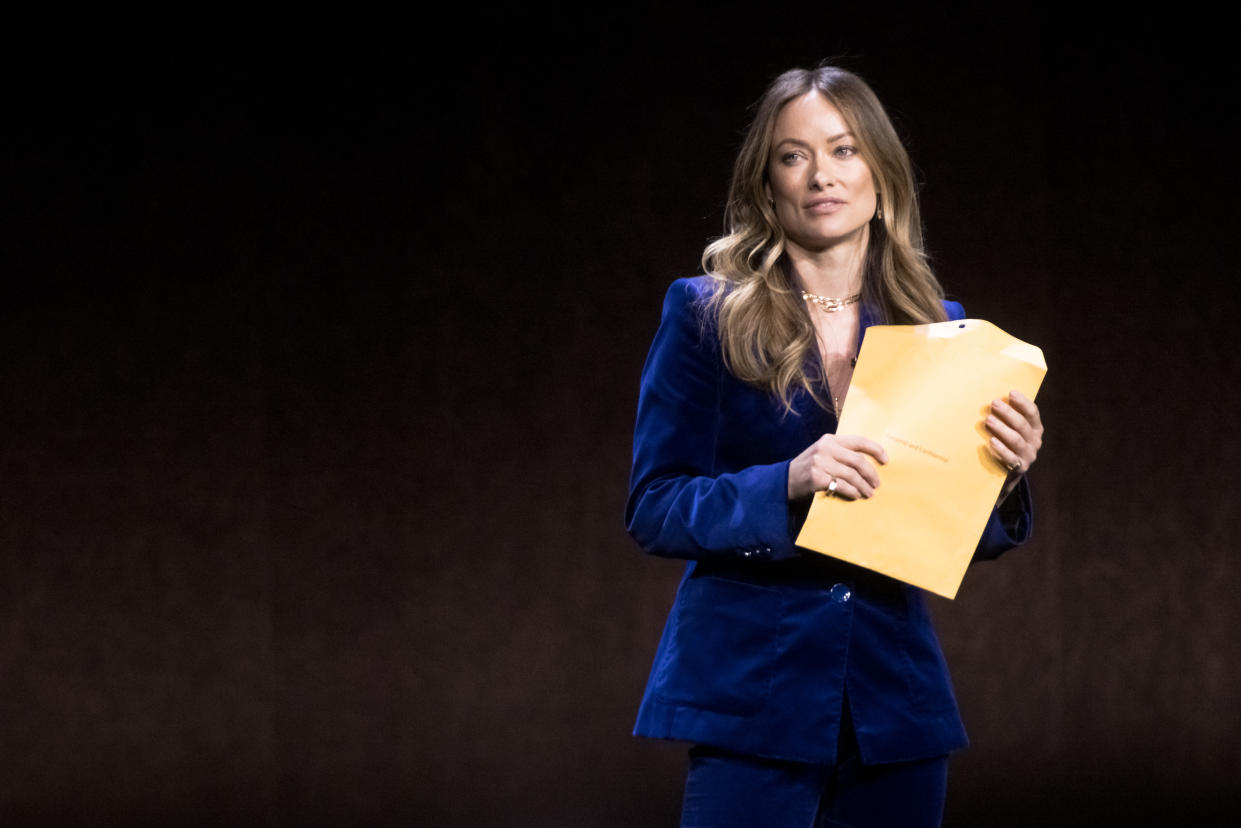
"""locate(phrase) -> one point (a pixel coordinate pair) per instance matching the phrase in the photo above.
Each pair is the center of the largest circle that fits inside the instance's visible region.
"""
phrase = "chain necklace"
(836, 399)
(830, 303)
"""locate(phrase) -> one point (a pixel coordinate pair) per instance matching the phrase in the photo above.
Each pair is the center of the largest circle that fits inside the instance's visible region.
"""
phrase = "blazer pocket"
(726, 641)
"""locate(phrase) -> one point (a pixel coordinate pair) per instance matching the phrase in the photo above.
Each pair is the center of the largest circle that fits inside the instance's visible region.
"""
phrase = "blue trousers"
(726, 789)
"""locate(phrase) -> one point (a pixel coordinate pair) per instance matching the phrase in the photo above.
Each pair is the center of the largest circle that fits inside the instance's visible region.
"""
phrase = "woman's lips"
(824, 205)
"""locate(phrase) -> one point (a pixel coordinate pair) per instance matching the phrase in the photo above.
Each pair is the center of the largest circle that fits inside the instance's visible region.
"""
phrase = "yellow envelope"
(922, 391)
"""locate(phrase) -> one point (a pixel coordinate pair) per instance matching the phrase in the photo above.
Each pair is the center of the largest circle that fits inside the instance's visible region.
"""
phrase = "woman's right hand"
(845, 458)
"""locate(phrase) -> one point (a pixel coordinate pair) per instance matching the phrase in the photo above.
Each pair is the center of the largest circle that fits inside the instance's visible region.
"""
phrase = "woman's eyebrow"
(833, 139)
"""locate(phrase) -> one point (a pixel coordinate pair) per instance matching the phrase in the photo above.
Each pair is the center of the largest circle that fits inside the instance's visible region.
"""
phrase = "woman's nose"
(821, 177)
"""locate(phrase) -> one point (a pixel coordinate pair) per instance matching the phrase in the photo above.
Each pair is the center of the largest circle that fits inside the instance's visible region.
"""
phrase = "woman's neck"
(834, 271)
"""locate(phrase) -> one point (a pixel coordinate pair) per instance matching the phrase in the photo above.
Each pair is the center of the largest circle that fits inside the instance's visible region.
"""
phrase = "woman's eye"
(846, 151)
(790, 157)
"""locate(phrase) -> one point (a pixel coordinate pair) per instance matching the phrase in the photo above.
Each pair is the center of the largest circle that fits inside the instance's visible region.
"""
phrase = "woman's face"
(821, 187)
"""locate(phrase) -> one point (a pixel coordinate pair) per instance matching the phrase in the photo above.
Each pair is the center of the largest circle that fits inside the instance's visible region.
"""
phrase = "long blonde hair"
(764, 328)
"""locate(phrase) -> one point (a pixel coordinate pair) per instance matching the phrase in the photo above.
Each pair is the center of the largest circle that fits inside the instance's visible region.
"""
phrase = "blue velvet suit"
(765, 639)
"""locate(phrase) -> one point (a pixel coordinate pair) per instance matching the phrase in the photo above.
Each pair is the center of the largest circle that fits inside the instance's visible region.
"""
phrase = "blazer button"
(840, 593)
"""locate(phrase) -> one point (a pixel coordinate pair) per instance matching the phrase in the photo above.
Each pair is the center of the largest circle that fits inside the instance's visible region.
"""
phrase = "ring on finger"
(1015, 467)
(831, 487)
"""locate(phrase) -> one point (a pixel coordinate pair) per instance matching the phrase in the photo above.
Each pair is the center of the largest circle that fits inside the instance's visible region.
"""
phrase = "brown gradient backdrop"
(319, 372)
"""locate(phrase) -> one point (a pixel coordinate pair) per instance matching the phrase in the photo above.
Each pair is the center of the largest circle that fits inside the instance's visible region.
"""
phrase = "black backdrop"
(320, 356)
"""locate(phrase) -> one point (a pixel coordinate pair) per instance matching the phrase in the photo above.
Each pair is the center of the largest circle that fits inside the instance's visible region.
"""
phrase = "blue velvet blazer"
(764, 639)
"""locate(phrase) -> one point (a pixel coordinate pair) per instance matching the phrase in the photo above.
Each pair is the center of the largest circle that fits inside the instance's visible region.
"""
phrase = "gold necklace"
(836, 399)
(830, 303)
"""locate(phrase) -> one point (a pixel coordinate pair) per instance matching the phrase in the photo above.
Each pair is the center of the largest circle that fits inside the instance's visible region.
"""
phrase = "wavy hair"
(764, 328)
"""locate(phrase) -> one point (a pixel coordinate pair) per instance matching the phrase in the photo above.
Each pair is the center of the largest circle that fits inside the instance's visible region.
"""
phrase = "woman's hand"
(1016, 436)
(845, 459)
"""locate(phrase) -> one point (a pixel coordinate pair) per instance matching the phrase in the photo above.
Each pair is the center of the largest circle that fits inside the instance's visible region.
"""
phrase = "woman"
(814, 691)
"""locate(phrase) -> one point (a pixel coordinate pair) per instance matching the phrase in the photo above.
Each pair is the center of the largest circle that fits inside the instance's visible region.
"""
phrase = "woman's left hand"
(1016, 436)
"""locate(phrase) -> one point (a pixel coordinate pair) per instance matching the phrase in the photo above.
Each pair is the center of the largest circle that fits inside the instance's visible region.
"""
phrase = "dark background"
(320, 358)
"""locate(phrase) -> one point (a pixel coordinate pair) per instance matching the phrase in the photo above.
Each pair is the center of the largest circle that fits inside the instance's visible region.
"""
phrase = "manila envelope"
(923, 391)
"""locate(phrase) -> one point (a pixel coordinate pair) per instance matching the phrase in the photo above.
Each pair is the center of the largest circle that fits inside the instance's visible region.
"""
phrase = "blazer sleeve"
(1012, 522)
(680, 504)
